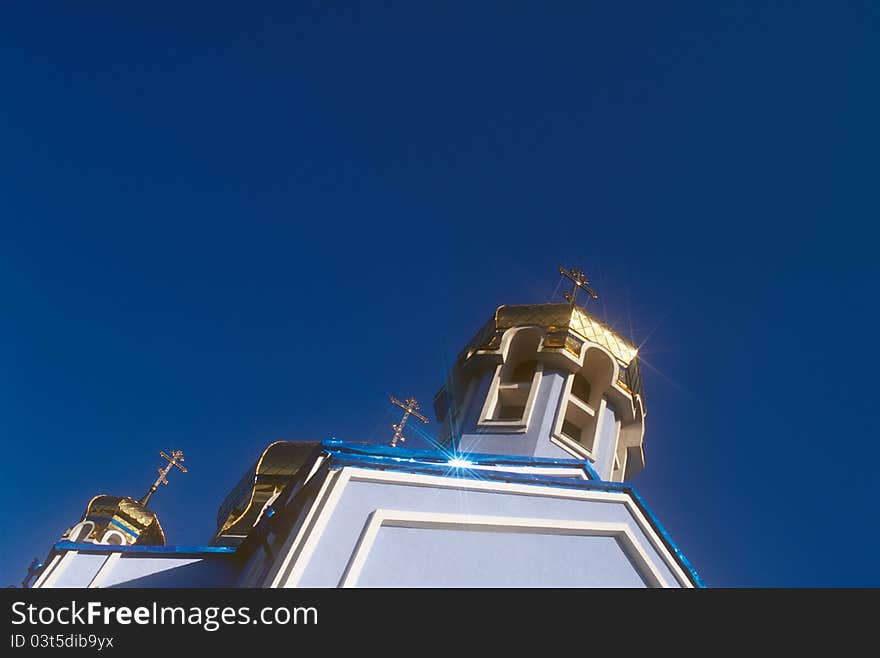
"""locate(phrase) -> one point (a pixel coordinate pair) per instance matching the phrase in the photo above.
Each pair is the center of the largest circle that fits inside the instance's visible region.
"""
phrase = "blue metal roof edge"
(463, 472)
(685, 563)
(440, 456)
(65, 545)
(412, 465)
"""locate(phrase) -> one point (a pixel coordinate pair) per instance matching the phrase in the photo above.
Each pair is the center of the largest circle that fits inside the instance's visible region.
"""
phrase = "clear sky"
(224, 225)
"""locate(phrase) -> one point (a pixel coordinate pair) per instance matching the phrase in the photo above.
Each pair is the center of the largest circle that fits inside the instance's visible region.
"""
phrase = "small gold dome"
(136, 523)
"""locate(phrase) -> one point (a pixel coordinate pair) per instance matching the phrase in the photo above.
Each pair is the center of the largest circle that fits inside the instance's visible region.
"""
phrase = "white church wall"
(106, 568)
(167, 571)
(327, 548)
(487, 557)
(74, 570)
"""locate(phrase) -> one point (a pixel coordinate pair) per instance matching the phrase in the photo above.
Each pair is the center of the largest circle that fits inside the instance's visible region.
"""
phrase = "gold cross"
(409, 409)
(580, 283)
(174, 460)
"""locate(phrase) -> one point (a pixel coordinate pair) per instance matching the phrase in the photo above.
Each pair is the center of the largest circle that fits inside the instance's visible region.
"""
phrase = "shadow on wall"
(204, 573)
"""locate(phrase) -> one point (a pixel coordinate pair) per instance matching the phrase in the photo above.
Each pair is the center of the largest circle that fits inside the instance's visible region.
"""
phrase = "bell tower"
(548, 380)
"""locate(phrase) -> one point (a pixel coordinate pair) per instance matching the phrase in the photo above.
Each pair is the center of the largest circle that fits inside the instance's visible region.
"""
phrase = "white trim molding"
(104, 570)
(497, 388)
(305, 534)
(49, 576)
(515, 524)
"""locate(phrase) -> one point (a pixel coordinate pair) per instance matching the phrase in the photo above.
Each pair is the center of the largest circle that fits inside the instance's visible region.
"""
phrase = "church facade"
(542, 420)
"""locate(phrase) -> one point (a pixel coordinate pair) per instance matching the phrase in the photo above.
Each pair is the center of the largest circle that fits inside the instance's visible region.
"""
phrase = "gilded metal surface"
(567, 327)
(573, 345)
(174, 460)
(410, 408)
(494, 341)
(580, 282)
(555, 318)
(561, 339)
(487, 338)
(140, 525)
(276, 467)
(595, 331)
(555, 339)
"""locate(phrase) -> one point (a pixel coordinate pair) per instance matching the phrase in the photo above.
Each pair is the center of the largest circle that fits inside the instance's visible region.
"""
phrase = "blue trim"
(436, 456)
(588, 467)
(444, 470)
(87, 547)
(104, 519)
(123, 528)
(685, 563)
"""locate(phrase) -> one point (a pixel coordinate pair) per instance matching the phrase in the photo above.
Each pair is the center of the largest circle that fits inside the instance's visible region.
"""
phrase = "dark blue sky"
(220, 227)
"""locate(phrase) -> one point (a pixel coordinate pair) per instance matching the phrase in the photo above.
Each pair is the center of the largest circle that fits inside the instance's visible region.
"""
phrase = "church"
(542, 424)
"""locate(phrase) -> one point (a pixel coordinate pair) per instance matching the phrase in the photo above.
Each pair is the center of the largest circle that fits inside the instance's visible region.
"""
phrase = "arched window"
(576, 425)
(581, 389)
(81, 531)
(113, 537)
(512, 389)
(524, 372)
(578, 421)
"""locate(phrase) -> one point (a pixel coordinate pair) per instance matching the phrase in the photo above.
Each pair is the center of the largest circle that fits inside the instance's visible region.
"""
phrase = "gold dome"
(276, 467)
(137, 524)
(567, 328)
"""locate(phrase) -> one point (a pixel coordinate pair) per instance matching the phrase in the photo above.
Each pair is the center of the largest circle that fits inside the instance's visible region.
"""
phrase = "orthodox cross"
(580, 283)
(174, 460)
(409, 409)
